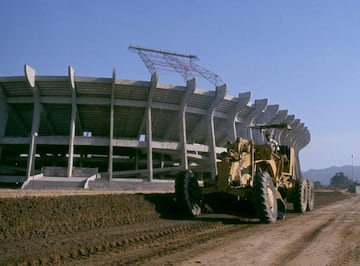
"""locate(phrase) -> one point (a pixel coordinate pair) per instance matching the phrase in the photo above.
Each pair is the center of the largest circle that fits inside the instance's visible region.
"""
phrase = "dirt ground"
(108, 228)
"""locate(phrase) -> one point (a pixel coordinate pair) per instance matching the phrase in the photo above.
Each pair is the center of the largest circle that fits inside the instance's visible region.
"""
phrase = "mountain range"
(324, 175)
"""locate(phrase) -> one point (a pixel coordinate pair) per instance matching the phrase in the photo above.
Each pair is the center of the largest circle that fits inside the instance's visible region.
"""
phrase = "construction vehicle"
(267, 174)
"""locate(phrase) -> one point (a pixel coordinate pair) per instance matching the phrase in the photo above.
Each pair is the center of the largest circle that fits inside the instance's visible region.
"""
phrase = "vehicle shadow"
(225, 218)
(214, 209)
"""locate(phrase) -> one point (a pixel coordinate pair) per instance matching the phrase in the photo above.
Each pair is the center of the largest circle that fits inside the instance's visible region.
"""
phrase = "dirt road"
(119, 229)
(326, 236)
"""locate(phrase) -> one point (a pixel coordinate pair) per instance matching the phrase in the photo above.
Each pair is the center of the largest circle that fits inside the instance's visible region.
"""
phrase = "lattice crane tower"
(183, 64)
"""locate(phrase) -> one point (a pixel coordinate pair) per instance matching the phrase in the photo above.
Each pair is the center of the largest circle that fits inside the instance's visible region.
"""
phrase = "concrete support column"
(162, 160)
(303, 141)
(72, 122)
(266, 116)
(283, 134)
(190, 88)
(290, 136)
(149, 143)
(4, 111)
(137, 160)
(279, 119)
(111, 137)
(258, 107)
(220, 94)
(243, 100)
(30, 77)
(289, 141)
(297, 136)
(148, 122)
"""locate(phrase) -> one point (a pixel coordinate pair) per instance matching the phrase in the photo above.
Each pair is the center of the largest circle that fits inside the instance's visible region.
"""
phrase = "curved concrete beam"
(283, 134)
(262, 119)
(142, 124)
(148, 123)
(257, 108)
(279, 118)
(112, 118)
(297, 135)
(30, 75)
(190, 88)
(289, 140)
(220, 95)
(243, 101)
(71, 73)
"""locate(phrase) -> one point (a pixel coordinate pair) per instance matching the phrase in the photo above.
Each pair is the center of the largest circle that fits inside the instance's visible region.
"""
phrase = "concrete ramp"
(56, 183)
(55, 178)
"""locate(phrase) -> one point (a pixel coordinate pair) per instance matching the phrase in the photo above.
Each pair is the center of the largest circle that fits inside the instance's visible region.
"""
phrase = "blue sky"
(303, 55)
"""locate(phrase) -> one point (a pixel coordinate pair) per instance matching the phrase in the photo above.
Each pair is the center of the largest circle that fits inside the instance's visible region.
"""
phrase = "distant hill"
(324, 175)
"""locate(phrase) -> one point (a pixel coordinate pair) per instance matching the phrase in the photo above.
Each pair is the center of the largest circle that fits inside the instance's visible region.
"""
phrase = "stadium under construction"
(92, 128)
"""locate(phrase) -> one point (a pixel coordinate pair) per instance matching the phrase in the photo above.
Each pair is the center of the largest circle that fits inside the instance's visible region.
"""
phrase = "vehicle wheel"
(265, 198)
(311, 195)
(300, 198)
(187, 193)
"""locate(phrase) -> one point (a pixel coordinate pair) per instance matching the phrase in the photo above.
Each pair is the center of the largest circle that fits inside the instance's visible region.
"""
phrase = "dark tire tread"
(187, 193)
(262, 183)
(311, 195)
(300, 195)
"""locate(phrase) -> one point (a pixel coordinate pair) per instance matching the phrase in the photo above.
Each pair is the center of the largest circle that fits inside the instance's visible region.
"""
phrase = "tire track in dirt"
(329, 243)
(311, 238)
(126, 247)
(138, 229)
(350, 230)
(146, 246)
(351, 253)
(301, 243)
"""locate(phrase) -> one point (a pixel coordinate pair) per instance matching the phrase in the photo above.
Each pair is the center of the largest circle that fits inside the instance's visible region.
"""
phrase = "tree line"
(339, 181)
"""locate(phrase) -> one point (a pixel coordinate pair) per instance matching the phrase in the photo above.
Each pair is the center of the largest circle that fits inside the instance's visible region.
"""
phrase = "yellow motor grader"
(263, 173)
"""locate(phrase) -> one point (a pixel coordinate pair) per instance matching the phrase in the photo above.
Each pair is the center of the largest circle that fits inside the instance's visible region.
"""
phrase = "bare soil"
(108, 228)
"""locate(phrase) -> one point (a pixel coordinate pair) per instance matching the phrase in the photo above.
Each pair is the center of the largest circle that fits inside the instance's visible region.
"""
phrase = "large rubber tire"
(265, 198)
(311, 195)
(188, 193)
(300, 195)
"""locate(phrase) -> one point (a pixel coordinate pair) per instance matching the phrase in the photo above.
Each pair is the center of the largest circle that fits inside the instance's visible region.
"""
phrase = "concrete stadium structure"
(70, 126)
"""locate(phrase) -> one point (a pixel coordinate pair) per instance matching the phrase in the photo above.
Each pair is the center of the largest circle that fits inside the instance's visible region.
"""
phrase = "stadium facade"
(72, 126)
